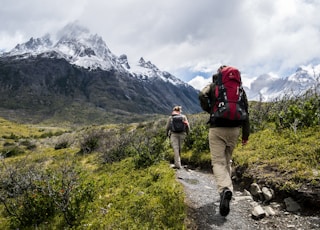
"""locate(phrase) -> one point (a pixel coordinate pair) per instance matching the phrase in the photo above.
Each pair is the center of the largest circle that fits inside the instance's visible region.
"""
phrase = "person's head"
(177, 108)
(220, 68)
(215, 75)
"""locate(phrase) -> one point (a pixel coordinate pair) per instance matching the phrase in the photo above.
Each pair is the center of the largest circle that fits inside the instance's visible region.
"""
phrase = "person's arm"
(186, 122)
(246, 123)
(168, 126)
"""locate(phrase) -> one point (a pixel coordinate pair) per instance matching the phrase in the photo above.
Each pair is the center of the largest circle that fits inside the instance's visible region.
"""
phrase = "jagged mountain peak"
(78, 46)
(72, 31)
(270, 86)
(147, 64)
(37, 45)
(305, 74)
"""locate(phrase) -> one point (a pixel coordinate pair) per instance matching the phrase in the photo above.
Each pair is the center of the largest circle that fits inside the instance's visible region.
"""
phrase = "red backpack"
(229, 103)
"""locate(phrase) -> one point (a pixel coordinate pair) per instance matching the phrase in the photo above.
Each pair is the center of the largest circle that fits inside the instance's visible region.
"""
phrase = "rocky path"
(202, 200)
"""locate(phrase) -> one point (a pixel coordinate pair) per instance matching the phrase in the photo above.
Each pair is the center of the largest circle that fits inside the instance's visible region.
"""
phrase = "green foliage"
(123, 184)
(116, 144)
(29, 145)
(51, 134)
(11, 136)
(293, 156)
(62, 145)
(149, 147)
(297, 113)
(259, 113)
(70, 192)
(148, 198)
(197, 140)
(10, 151)
(32, 195)
(90, 141)
(19, 194)
(145, 142)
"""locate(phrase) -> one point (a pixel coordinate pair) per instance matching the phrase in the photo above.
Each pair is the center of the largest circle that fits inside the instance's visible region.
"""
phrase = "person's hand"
(244, 142)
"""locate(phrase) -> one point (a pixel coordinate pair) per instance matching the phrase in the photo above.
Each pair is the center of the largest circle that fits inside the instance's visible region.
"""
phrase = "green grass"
(124, 197)
(137, 199)
(288, 159)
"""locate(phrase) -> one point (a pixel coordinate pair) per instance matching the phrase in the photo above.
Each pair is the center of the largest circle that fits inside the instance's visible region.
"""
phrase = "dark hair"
(220, 68)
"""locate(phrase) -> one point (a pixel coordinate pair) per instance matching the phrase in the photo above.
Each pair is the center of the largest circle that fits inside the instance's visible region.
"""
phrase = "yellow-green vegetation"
(118, 176)
(137, 199)
(9, 128)
(120, 181)
(287, 159)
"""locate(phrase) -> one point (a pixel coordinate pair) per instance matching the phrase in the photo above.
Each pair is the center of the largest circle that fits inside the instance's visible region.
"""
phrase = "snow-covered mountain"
(78, 46)
(269, 87)
(74, 75)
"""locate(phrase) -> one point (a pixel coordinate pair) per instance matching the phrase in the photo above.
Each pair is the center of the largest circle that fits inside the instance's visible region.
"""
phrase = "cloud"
(177, 35)
(199, 82)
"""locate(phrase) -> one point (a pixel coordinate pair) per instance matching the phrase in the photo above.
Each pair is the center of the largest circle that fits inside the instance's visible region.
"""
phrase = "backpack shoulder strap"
(218, 80)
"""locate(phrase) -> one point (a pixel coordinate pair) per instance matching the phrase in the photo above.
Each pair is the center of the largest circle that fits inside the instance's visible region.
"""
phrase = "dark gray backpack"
(177, 124)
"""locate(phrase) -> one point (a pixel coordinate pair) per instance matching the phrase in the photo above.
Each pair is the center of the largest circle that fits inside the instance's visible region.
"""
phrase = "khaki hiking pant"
(176, 143)
(222, 141)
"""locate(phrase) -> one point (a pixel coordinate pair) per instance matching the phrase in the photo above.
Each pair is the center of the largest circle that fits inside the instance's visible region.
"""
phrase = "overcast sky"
(184, 37)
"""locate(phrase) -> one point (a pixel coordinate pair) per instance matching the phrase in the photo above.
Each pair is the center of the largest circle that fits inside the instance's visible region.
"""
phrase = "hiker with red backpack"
(177, 128)
(227, 103)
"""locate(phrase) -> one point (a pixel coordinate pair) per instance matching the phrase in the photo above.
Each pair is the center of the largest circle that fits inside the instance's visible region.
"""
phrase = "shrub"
(298, 113)
(29, 145)
(197, 140)
(145, 144)
(90, 141)
(117, 145)
(32, 195)
(24, 201)
(62, 145)
(66, 185)
(11, 151)
(148, 150)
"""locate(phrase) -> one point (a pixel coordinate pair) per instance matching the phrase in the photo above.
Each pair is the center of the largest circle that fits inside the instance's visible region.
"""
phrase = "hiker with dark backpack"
(227, 103)
(177, 128)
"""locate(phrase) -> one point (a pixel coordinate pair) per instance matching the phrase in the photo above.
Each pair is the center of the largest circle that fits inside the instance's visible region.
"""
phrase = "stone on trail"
(291, 205)
(258, 213)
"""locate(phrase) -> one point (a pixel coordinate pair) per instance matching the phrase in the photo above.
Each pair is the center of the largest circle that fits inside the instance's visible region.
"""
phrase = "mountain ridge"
(269, 87)
(79, 70)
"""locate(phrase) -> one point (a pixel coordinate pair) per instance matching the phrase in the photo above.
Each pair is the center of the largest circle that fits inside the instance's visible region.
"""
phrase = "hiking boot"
(176, 167)
(225, 198)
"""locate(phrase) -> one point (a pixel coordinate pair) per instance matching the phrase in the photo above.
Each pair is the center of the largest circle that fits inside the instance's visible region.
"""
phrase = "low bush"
(33, 195)
(297, 113)
(11, 151)
(90, 141)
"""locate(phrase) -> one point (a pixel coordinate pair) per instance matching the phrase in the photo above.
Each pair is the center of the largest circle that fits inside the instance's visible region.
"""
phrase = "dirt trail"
(202, 200)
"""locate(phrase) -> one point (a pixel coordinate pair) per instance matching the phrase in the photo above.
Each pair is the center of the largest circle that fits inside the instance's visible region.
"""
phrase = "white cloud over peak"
(177, 35)
(199, 82)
